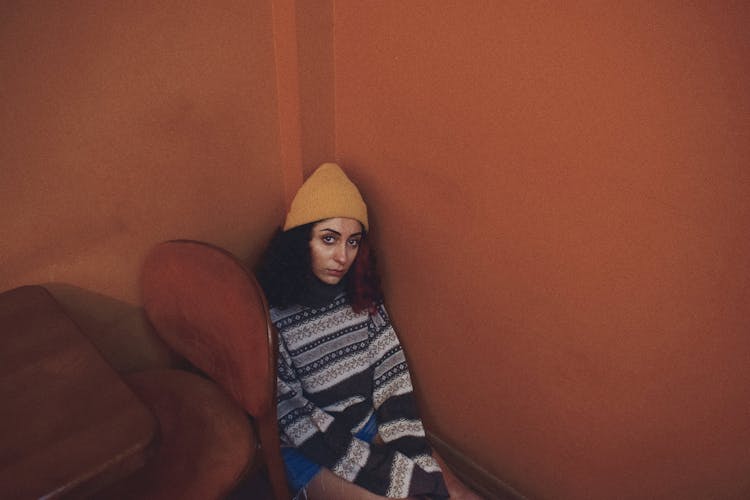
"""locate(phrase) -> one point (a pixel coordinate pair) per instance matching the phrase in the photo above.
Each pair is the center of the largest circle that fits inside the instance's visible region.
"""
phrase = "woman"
(348, 419)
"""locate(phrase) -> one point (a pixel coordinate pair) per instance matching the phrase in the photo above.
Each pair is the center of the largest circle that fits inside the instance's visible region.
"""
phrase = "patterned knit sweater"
(336, 369)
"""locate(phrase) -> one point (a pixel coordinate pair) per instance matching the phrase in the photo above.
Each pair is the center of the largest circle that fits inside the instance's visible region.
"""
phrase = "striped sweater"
(336, 369)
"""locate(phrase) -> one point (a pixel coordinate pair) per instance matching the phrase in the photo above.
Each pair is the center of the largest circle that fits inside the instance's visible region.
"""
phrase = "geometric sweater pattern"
(336, 369)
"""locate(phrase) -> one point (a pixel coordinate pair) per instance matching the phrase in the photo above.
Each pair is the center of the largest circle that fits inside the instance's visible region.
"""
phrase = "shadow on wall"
(120, 331)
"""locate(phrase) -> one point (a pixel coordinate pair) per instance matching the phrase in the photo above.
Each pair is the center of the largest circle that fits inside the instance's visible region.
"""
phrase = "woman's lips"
(335, 272)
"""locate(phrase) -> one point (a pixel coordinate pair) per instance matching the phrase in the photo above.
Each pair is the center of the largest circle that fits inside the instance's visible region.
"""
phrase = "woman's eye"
(354, 243)
(328, 239)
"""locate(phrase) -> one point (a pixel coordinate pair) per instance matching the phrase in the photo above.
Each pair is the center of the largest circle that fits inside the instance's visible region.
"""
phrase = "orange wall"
(303, 40)
(561, 200)
(316, 73)
(558, 194)
(123, 126)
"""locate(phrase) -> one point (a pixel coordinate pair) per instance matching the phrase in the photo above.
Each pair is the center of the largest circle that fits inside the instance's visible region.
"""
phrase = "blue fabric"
(300, 470)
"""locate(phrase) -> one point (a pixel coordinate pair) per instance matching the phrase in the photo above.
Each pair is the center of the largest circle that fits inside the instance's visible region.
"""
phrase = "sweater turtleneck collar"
(319, 294)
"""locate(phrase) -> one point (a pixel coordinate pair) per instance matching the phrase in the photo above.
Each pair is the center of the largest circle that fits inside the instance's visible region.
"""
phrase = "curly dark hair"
(285, 270)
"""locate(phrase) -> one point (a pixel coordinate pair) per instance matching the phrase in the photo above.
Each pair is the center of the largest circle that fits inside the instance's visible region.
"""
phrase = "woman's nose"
(340, 254)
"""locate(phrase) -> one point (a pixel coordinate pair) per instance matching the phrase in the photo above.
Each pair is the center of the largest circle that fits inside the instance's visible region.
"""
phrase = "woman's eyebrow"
(339, 234)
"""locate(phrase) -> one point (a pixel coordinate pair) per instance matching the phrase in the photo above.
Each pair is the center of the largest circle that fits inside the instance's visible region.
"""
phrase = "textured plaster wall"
(124, 125)
(561, 200)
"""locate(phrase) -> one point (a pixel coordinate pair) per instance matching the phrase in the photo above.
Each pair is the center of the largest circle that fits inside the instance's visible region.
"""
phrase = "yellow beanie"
(327, 193)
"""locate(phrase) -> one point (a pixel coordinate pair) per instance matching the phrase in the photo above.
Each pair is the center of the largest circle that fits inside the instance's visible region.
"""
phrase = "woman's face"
(333, 246)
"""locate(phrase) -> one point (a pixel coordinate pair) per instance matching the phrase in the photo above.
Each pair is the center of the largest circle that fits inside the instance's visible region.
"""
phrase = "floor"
(254, 487)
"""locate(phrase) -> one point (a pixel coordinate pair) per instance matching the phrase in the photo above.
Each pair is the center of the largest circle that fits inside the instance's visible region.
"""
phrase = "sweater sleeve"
(380, 469)
(399, 424)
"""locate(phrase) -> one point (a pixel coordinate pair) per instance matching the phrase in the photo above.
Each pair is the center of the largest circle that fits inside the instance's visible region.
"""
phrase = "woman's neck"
(319, 293)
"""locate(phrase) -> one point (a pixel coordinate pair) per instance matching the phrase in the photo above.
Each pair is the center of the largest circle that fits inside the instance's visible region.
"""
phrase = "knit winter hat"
(327, 193)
